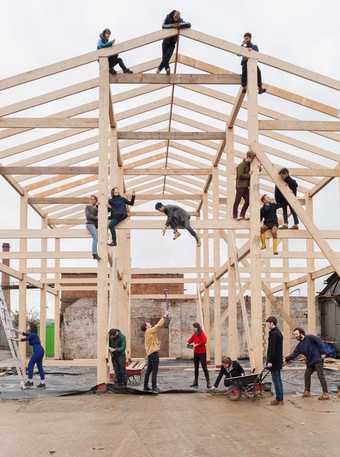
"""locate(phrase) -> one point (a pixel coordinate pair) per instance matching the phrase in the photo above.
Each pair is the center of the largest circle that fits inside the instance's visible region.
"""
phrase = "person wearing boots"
(198, 341)
(105, 42)
(280, 198)
(270, 222)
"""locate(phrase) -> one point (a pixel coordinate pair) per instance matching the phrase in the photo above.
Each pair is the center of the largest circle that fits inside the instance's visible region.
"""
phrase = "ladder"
(7, 323)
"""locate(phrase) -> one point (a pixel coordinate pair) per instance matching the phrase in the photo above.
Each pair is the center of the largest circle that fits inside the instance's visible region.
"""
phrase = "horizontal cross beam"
(49, 122)
(149, 78)
(51, 170)
(318, 126)
(85, 200)
(144, 136)
(166, 171)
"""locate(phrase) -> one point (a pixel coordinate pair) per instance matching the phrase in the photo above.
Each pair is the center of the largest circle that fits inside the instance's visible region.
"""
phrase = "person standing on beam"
(280, 198)
(105, 42)
(117, 205)
(172, 21)
(270, 222)
(244, 78)
(177, 218)
(91, 214)
(242, 186)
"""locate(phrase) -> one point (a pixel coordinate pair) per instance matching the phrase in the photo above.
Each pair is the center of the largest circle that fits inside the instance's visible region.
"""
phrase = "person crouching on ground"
(275, 358)
(198, 341)
(229, 369)
(280, 198)
(104, 42)
(270, 222)
(311, 347)
(117, 348)
(91, 214)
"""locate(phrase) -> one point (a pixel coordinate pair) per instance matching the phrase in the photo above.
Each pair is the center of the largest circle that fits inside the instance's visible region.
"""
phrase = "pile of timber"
(332, 364)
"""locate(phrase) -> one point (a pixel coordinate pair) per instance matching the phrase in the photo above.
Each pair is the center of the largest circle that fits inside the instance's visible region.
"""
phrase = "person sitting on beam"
(280, 198)
(117, 205)
(270, 222)
(104, 42)
(177, 218)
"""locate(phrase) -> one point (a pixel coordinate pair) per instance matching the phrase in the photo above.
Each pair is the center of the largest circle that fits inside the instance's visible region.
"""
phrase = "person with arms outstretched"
(247, 43)
(105, 42)
(117, 205)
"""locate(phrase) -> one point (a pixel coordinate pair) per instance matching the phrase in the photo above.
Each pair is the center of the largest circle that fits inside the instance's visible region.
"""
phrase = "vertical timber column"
(198, 278)
(311, 299)
(22, 283)
(127, 256)
(217, 262)
(57, 299)
(256, 297)
(102, 283)
(43, 298)
(286, 299)
(206, 300)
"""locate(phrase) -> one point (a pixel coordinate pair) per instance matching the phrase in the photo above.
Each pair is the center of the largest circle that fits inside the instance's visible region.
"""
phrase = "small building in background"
(329, 304)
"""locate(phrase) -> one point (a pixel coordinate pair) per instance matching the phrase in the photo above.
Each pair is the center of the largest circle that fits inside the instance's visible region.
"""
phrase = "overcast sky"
(38, 32)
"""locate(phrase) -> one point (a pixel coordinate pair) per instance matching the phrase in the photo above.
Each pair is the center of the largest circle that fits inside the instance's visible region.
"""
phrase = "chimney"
(5, 277)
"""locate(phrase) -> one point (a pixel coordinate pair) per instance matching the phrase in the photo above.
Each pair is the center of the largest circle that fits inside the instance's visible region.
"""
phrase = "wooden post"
(22, 283)
(57, 308)
(43, 297)
(206, 298)
(286, 301)
(198, 285)
(311, 300)
(102, 293)
(256, 296)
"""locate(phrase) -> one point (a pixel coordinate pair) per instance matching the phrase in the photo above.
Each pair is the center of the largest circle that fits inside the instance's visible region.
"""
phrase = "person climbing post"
(197, 342)
(242, 186)
(91, 214)
(229, 369)
(244, 78)
(117, 348)
(104, 42)
(171, 21)
(177, 218)
(270, 222)
(280, 198)
(117, 205)
(275, 358)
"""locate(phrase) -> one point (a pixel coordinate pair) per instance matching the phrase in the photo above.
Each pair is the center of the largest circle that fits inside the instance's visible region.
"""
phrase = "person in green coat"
(117, 347)
(242, 186)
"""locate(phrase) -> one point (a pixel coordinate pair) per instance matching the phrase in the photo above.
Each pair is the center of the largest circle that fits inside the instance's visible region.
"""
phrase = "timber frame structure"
(195, 168)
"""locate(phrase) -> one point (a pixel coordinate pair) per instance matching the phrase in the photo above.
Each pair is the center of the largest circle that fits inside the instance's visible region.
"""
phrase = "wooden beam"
(163, 135)
(48, 122)
(318, 126)
(236, 108)
(50, 170)
(165, 171)
(149, 78)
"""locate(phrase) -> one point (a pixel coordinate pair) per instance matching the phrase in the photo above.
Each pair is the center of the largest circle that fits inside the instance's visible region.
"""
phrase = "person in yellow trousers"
(270, 221)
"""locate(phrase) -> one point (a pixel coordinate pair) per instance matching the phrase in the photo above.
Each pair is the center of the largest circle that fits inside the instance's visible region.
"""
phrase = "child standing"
(270, 221)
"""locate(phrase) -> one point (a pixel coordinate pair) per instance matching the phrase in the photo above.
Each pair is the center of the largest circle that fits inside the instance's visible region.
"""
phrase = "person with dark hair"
(104, 42)
(275, 358)
(280, 198)
(117, 205)
(229, 369)
(270, 222)
(198, 341)
(152, 348)
(91, 214)
(37, 356)
(177, 218)
(171, 21)
(311, 347)
(247, 43)
(117, 348)
(242, 186)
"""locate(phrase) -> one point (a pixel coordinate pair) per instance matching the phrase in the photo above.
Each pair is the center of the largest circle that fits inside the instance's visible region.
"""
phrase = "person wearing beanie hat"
(105, 42)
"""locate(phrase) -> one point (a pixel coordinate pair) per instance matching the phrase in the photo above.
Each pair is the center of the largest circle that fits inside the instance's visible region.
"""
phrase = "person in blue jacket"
(117, 205)
(37, 356)
(104, 42)
(244, 79)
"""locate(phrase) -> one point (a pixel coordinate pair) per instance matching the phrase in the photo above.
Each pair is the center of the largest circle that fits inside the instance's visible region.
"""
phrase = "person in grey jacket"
(177, 218)
(91, 214)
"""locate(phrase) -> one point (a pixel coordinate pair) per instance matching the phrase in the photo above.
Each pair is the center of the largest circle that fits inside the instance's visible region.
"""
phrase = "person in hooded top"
(105, 42)
(117, 205)
(280, 198)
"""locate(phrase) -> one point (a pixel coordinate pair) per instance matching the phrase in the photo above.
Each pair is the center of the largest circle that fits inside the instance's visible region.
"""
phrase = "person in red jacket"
(198, 341)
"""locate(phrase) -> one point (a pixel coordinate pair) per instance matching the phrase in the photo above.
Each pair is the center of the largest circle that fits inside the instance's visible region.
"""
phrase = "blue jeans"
(277, 381)
(37, 358)
(93, 232)
(118, 363)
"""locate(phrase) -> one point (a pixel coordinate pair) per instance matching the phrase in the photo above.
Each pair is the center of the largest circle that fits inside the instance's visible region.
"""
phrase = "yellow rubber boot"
(263, 240)
(275, 246)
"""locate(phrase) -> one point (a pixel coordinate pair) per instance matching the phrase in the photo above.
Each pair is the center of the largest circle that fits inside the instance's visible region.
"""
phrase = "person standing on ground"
(177, 218)
(242, 186)
(117, 348)
(104, 42)
(311, 347)
(172, 21)
(117, 205)
(152, 348)
(229, 369)
(91, 214)
(244, 78)
(280, 198)
(198, 341)
(270, 222)
(275, 358)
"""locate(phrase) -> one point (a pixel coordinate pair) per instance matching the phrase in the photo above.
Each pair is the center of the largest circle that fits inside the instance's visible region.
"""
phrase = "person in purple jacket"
(244, 78)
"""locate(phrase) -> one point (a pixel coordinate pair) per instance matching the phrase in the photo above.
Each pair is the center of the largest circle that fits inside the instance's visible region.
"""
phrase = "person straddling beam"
(91, 214)
(171, 21)
(117, 205)
(247, 43)
(152, 348)
(242, 186)
(270, 222)
(197, 342)
(275, 358)
(105, 42)
(177, 218)
(229, 369)
(311, 347)
(37, 356)
(117, 348)
(280, 198)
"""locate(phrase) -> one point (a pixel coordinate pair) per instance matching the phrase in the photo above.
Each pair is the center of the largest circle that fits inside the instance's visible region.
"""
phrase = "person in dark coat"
(171, 21)
(275, 358)
(177, 218)
(280, 198)
(91, 214)
(247, 43)
(270, 222)
(105, 42)
(242, 186)
(229, 369)
(117, 348)
(117, 205)
(311, 347)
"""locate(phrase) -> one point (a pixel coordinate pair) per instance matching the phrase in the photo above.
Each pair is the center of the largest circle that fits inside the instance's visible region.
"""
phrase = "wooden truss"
(141, 146)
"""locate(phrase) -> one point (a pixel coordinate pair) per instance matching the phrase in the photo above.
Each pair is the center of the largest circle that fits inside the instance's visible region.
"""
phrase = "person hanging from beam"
(270, 222)
(117, 348)
(104, 42)
(229, 369)
(91, 214)
(311, 347)
(197, 342)
(172, 20)
(279, 198)
(37, 356)
(117, 205)
(247, 43)
(242, 186)
(177, 218)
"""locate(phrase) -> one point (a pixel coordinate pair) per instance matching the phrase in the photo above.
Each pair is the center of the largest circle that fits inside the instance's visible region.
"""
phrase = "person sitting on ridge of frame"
(104, 42)
(270, 222)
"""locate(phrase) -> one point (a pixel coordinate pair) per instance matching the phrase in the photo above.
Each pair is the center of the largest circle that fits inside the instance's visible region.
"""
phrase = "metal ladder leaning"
(7, 323)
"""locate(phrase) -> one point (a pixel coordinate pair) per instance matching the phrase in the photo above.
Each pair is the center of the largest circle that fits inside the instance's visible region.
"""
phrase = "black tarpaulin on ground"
(111, 388)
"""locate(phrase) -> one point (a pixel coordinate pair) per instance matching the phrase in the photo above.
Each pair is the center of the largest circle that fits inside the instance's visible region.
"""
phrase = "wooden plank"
(236, 108)
(149, 78)
(145, 136)
(49, 170)
(301, 172)
(165, 171)
(318, 126)
(48, 122)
